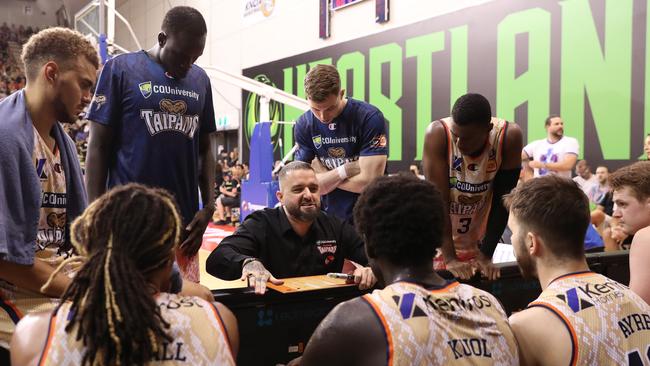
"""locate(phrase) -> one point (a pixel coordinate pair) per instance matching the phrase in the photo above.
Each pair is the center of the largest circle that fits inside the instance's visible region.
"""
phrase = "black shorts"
(230, 201)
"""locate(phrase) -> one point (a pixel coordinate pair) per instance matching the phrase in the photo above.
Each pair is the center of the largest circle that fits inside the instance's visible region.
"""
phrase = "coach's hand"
(487, 268)
(258, 275)
(462, 270)
(364, 277)
(195, 230)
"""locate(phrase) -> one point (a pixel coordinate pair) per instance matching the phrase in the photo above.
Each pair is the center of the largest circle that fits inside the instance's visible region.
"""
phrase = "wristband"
(342, 173)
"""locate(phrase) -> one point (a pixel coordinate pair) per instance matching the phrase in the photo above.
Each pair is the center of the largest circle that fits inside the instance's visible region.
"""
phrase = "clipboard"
(309, 283)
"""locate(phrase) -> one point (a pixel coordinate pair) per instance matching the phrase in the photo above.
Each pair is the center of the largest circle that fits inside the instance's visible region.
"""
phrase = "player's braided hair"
(124, 236)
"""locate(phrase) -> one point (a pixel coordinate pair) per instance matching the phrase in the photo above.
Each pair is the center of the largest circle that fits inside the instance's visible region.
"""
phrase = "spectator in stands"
(598, 192)
(230, 191)
(556, 154)
(584, 177)
(631, 187)
(646, 147)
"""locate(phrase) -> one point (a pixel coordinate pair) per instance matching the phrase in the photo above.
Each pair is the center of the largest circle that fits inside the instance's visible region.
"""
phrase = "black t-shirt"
(268, 236)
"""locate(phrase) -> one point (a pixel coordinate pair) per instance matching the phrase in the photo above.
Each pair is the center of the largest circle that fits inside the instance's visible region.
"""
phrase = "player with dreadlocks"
(116, 311)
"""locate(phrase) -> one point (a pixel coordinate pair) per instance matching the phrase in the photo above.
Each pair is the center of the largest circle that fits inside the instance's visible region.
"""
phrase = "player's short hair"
(61, 45)
(547, 121)
(292, 166)
(556, 209)
(184, 19)
(471, 109)
(400, 218)
(635, 176)
(321, 82)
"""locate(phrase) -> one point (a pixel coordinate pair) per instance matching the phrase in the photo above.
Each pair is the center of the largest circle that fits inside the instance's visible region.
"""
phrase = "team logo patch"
(318, 141)
(457, 163)
(332, 126)
(40, 169)
(336, 152)
(574, 301)
(173, 106)
(145, 89)
(378, 141)
(327, 249)
(472, 167)
(99, 100)
(56, 220)
(407, 306)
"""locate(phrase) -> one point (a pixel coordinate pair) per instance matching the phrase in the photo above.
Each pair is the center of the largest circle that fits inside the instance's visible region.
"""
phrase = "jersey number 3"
(634, 358)
(464, 225)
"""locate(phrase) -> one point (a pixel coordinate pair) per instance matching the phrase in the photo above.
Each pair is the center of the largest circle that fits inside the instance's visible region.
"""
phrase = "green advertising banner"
(587, 61)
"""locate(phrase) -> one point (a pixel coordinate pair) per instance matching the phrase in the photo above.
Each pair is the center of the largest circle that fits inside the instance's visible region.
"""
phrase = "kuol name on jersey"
(161, 121)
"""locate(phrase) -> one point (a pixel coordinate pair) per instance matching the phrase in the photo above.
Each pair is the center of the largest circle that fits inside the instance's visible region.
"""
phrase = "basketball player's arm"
(436, 170)
(197, 226)
(100, 147)
(29, 339)
(33, 277)
(528, 171)
(504, 181)
(639, 270)
(329, 180)
(537, 331)
(349, 335)
(372, 166)
(230, 323)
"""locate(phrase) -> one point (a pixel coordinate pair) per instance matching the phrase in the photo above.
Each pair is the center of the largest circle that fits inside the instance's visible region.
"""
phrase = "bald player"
(631, 185)
(581, 317)
(473, 159)
(419, 318)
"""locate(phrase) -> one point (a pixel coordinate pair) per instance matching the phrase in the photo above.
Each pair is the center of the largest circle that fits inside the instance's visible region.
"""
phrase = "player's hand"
(195, 229)
(364, 277)
(295, 362)
(534, 164)
(462, 270)
(487, 268)
(257, 276)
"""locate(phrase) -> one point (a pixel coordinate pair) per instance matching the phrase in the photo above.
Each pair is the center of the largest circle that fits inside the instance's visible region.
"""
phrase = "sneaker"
(220, 222)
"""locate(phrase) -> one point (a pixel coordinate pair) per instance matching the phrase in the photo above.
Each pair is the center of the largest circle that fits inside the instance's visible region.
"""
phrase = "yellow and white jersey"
(453, 325)
(470, 185)
(198, 333)
(609, 324)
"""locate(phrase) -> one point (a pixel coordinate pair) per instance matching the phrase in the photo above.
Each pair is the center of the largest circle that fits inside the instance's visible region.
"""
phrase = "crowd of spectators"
(12, 77)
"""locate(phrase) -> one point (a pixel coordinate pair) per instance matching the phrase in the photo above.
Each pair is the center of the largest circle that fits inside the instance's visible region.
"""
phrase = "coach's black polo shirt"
(268, 236)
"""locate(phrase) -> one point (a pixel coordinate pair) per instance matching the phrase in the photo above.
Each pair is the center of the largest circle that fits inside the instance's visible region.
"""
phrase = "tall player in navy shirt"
(347, 136)
(152, 120)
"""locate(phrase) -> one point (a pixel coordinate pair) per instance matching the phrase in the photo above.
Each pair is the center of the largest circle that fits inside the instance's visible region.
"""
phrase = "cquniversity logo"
(145, 89)
(318, 141)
